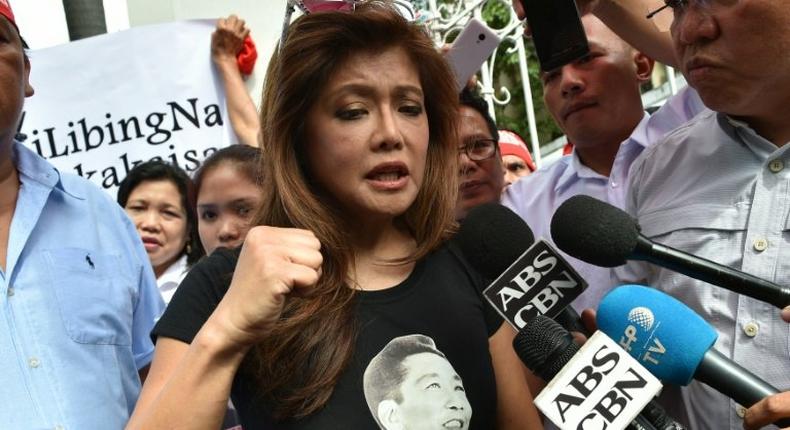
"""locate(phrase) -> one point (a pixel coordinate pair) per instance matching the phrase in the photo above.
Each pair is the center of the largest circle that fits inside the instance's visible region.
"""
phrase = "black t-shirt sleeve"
(197, 296)
(492, 318)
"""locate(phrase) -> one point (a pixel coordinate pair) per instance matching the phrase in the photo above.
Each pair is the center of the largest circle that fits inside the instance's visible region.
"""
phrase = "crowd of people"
(309, 274)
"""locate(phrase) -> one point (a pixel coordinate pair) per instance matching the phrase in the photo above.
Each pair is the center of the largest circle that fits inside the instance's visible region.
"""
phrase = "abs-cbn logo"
(601, 387)
(640, 334)
(540, 282)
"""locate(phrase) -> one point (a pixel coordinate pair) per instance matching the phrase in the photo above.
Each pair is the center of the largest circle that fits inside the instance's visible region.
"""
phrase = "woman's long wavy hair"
(298, 365)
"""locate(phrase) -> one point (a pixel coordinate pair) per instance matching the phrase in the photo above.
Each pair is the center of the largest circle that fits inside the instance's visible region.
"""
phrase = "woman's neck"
(380, 257)
(162, 268)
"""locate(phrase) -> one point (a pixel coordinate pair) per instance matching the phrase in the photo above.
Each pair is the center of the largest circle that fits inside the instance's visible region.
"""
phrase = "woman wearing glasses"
(350, 252)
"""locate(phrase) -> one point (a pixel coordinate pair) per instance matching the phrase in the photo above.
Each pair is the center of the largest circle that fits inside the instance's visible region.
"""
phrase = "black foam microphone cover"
(594, 231)
(492, 237)
(544, 346)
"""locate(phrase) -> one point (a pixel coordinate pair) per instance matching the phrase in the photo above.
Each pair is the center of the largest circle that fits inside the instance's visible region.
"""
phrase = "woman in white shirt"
(158, 197)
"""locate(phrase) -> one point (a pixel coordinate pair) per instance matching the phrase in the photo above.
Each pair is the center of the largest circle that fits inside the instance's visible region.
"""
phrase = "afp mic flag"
(675, 344)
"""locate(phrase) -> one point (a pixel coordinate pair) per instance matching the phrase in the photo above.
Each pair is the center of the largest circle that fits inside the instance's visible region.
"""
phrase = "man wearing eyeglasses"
(482, 178)
(719, 188)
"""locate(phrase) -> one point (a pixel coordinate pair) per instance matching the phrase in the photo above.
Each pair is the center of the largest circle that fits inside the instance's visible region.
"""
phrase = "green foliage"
(513, 116)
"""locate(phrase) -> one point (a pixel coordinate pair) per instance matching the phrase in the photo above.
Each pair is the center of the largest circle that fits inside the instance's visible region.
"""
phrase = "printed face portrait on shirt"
(411, 385)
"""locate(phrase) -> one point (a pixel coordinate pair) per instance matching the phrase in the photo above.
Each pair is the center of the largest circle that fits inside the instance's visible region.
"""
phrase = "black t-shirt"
(438, 307)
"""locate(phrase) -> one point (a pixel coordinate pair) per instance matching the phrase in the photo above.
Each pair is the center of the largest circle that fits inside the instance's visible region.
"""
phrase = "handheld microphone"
(675, 344)
(578, 380)
(601, 234)
(531, 278)
(491, 238)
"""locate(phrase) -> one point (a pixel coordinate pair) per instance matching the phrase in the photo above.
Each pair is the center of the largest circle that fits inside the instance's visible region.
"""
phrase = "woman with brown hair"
(350, 252)
(228, 190)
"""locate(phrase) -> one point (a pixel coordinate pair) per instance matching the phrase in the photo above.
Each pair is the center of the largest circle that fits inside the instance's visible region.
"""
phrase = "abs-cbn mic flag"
(107, 103)
(601, 387)
(540, 282)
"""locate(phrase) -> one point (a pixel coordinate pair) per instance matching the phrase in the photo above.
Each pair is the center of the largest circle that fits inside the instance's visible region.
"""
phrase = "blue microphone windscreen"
(665, 335)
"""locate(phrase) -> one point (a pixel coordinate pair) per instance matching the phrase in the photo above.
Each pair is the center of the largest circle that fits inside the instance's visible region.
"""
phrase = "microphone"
(601, 234)
(548, 350)
(493, 238)
(530, 278)
(675, 344)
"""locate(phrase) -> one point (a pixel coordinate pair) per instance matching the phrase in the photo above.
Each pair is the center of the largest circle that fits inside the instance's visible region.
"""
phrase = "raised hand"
(274, 263)
(228, 39)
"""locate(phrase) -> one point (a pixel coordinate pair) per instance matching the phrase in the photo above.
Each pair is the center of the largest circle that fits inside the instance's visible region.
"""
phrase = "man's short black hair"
(472, 99)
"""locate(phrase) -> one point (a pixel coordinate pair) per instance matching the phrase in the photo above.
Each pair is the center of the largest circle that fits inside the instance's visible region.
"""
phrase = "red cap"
(511, 143)
(5, 10)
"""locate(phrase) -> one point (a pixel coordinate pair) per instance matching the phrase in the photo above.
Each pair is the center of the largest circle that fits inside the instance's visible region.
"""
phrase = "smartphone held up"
(470, 49)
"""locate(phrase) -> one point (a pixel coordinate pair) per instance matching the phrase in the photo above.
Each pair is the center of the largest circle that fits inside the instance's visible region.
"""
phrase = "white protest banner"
(106, 103)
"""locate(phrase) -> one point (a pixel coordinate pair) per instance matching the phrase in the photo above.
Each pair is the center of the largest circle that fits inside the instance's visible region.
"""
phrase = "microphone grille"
(544, 346)
(492, 237)
(594, 231)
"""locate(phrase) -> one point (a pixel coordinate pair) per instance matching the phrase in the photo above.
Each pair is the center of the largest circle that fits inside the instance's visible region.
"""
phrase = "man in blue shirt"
(78, 296)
